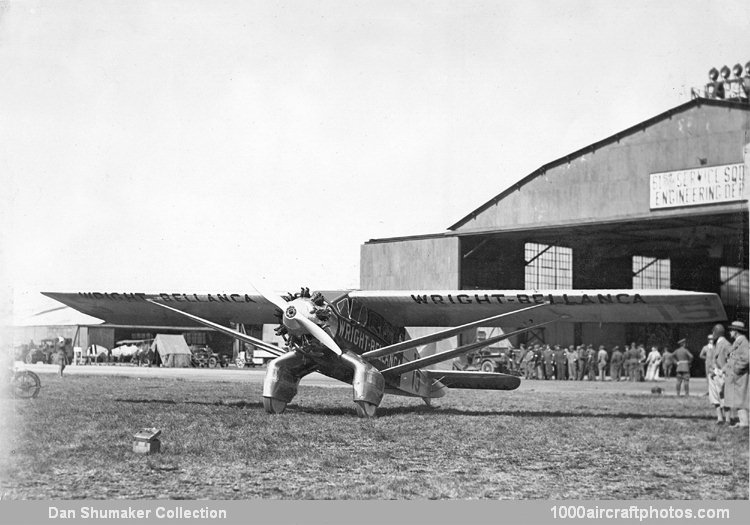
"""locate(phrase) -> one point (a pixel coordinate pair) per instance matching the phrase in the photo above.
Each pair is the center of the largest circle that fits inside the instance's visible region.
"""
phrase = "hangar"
(662, 204)
(81, 330)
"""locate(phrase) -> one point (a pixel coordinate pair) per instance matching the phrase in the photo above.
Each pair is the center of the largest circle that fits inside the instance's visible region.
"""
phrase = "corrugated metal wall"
(612, 183)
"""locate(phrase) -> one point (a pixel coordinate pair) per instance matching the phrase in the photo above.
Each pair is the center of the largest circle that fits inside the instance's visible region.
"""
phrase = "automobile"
(489, 359)
(252, 357)
(494, 360)
(205, 357)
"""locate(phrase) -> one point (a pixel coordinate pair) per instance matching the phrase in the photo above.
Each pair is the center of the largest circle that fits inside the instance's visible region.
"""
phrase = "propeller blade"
(318, 333)
(271, 297)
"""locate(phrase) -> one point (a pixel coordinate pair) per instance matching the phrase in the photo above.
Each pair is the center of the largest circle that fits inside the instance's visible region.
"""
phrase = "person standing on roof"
(736, 90)
(726, 83)
(714, 88)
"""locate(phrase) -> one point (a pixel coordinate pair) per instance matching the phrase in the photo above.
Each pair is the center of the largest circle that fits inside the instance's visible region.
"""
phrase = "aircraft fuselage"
(358, 330)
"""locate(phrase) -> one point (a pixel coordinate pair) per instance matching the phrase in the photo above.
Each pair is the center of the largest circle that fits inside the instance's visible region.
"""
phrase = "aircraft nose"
(291, 312)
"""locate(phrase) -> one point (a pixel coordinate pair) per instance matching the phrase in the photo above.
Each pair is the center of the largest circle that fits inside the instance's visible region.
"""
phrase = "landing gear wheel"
(212, 362)
(487, 366)
(366, 410)
(274, 406)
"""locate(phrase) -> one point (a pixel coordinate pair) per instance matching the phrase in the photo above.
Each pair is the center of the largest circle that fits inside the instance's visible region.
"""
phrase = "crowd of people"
(584, 362)
(726, 367)
(727, 374)
(727, 84)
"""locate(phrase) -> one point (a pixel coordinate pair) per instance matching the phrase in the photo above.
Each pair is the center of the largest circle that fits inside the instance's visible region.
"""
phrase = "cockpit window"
(358, 312)
(343, 306)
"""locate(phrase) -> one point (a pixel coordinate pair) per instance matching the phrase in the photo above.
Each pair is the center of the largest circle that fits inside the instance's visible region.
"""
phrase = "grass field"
(546, 440)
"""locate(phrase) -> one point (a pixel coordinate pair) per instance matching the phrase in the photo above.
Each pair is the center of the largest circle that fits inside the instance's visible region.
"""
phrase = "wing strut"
(448, 354)
(225, 330)
(443, 334)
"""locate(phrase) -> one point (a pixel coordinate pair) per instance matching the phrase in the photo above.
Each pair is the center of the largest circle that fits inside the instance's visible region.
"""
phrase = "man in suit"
(736, 382)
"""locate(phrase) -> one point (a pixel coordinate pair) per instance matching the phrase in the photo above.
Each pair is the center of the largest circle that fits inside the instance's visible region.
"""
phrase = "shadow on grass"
(236, 404)
(423, 410)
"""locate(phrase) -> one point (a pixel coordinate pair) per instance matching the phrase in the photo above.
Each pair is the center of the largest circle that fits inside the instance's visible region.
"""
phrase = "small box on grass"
(147, 441)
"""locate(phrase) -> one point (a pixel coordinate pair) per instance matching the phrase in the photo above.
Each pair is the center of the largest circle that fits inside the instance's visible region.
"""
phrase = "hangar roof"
(616, 138)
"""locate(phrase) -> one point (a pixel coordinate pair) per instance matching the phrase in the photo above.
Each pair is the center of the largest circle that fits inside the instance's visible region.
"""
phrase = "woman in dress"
(653, 361)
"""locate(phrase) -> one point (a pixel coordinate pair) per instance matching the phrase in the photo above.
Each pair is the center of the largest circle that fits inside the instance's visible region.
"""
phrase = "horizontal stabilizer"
(474, 380)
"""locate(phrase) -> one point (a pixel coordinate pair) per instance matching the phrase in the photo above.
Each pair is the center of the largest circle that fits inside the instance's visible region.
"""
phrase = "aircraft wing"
(414, 307)
(453, 307)
(136, 308)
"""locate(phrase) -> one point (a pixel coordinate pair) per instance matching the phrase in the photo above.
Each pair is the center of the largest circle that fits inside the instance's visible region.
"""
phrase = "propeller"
(293, 314)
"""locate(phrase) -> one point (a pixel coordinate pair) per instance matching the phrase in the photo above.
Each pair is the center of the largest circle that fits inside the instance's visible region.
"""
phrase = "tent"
(173, 350)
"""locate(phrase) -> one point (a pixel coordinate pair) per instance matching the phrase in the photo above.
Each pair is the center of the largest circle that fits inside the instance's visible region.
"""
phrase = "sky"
(163, 146)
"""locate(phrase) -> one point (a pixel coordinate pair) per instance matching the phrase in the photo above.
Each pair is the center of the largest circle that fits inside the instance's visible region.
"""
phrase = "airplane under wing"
(415, 307)
(452, 307)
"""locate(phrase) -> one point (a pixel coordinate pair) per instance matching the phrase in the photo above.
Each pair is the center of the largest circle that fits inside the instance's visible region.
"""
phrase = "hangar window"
(548, 267)
(734, 286)
(649, 272)
(195, 338)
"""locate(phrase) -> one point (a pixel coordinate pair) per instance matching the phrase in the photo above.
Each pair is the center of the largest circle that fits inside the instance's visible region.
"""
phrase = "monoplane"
(360, 337)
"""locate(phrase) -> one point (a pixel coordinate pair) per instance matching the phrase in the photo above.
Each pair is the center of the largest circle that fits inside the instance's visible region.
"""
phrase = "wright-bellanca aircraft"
(359, 337)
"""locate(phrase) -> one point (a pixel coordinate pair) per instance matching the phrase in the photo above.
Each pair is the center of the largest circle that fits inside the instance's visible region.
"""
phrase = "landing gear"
(366, 410)
(274, 406)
